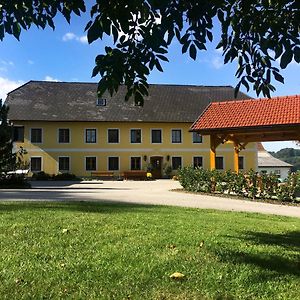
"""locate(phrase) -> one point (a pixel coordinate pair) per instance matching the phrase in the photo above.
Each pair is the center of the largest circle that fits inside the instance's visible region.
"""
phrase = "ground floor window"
(113, 163)
(90, 163)
(198, 161)
(36, 164)
(176, 162)
(135, 163)
(64, 163)
(219, 162)
(241, 163)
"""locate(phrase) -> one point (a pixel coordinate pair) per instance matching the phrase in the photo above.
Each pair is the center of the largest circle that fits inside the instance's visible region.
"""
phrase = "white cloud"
(7, 63)
(7, 86)
(70, 36)
(217, 62)
(50, 78)
(30, 62)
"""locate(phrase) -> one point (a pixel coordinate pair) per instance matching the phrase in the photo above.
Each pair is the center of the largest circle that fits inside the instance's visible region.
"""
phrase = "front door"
(156, 162)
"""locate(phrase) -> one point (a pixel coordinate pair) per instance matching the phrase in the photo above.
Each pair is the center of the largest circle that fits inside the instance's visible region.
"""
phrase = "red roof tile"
(250, 113)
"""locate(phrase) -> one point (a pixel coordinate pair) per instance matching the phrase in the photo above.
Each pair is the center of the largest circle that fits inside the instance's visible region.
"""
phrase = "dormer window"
(101, 102)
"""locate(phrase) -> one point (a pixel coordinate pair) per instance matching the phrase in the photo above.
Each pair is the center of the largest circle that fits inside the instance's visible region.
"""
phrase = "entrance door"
(156, 162)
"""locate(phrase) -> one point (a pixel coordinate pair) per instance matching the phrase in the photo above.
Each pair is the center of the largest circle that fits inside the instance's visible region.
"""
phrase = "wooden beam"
(212, 152)
(236, 157)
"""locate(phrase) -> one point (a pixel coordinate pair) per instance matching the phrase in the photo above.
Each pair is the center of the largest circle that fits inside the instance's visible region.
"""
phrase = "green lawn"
(129, 251)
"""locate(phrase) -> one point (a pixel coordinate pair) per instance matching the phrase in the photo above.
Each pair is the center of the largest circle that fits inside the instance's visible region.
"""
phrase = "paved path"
(139, 192)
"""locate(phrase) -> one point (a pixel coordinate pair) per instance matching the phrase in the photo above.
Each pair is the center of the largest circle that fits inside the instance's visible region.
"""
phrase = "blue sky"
(65, 55)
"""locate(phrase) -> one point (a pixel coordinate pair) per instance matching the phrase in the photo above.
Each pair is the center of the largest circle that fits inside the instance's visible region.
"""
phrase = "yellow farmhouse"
(65, 127)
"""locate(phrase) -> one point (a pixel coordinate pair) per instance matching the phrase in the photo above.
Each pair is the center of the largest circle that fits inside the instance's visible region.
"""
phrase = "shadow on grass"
(282, 263)
(77, 206)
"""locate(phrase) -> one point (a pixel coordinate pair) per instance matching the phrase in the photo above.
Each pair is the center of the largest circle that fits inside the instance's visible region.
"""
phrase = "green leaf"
(278, 77)
(193, 52)
(286, 58)
(297, 54)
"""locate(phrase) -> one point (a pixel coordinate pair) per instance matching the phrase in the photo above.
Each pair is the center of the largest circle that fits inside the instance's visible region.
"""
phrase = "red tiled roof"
(250, 113)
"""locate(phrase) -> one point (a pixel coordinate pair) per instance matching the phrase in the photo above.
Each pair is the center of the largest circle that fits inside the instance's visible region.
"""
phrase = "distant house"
(269, 164)
(65, 127)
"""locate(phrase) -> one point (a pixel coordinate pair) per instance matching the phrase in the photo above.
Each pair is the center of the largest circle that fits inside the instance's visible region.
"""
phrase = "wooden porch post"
(236, 157)
(212, 152)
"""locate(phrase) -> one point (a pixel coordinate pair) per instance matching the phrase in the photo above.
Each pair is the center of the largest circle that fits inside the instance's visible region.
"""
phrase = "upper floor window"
(156, 136)
(135, 163)
(176, 136)
(18, 134)
(197, 138)
(36, 135)
(64, 135)
(135, 136)
(113, 136)
(36, 164)
(219, 163)
(241, 163)
(198, 161)
(90, 135)
(176, 162)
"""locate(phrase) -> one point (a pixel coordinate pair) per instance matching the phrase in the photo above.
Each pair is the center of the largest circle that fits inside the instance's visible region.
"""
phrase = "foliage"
(64, 176)
(82, 250)
(289, 155)
(251, 184)
(41, 176)
(14, 181)
(253, 33)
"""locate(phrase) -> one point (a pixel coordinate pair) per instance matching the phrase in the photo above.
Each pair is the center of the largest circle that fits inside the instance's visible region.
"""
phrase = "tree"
(255, 33)
(7, 157)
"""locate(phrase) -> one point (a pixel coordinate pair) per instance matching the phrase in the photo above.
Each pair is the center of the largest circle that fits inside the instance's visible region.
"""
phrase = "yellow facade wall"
(50, 149)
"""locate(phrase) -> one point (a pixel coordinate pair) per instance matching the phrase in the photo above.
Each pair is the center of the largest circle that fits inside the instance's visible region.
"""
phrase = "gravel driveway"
(156, 192)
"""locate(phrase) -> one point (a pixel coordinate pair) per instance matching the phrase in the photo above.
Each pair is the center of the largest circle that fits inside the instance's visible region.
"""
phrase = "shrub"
(64, 176)
(41, 176)
(14, 181)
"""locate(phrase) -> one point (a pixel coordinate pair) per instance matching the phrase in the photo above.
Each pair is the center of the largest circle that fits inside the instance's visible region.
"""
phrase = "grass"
(80, 250)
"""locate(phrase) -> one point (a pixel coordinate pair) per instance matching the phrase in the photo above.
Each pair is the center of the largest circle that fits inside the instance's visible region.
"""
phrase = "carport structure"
(245, 121)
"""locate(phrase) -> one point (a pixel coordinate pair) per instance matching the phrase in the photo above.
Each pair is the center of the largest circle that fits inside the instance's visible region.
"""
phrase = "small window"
(90, 136)
(36, 164)
(156, 136)
(135, 163)
(277, 172)
(219, 163)
(64, 164)
(36, 135)
(64, 135)
(198, 161)
(101, 102)
(113, 163)
(18, 134)
(197, 138)
(176, 136)
(90, 163)
(113, 136)
(176, 162)
(241, 163)
(135, 136)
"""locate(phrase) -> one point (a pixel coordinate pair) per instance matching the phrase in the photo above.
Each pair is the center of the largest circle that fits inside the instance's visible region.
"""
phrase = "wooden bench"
(135, 174)
(103, 174)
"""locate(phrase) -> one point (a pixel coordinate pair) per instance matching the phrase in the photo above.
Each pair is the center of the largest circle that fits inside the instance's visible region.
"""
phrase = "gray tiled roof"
(265, 159)
(62, 101)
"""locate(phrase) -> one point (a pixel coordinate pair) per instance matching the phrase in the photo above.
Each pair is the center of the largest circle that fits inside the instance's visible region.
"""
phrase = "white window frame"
(197, 156)
(84, 136)
(64, 156)
(181, 136)
(42, 164)
(162, 138)
(119, 136)
(141, 166)
(69, 136)
(130, 136)
(108, 157)
(42, 133)
(85, 163)
(172, 161)
(193, 138)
